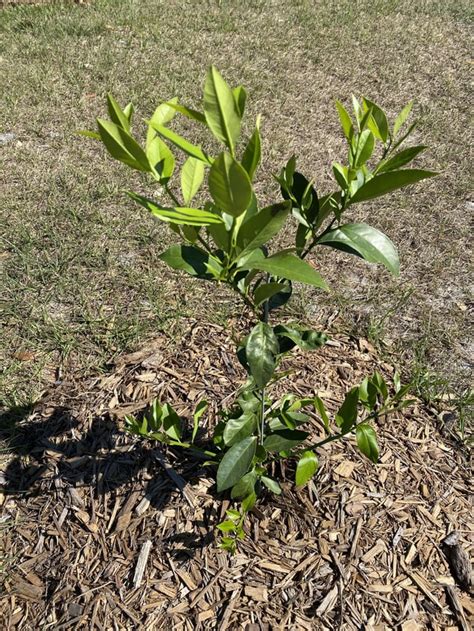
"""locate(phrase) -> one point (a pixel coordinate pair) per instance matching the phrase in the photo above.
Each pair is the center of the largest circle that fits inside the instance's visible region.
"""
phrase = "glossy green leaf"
(320, 408)
(186, 111)
(341, 175)
(191, 150)
(387, 182)
(284, 440)
(306, 339)
(253, 152)
(164, 113)
(172, 423)
(306, 467)
(229, 185)
(271, 484)
(185, 216)
(201, 407)
(245, 486)
(261, 349)
(378, 123)
(236, 429)
(122, 146)
(400, 159)
(367, 441)
(285, 265)
(192, 176)
(240, 98)
(220, 109)
(266, 291)
(190, 259)
(116, 114)
(226, 526)
(304, 198)
(346, 416)
(129, 110)
(160, 158)
(260, 228)
(345, 119)
(365, 241)
(401, 118)
(365, 148)
(235, 463)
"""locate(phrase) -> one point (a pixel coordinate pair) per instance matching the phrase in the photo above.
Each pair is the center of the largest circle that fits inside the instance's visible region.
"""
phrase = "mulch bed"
(103, 531)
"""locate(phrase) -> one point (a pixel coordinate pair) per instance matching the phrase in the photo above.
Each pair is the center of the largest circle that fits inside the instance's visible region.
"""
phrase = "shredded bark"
(101, 530)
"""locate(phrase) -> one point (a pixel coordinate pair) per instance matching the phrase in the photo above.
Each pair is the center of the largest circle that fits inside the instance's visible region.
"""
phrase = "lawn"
(83, 289)
(81, 277)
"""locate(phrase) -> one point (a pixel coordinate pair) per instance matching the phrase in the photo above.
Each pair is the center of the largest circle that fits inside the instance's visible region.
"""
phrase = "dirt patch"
(97, 534)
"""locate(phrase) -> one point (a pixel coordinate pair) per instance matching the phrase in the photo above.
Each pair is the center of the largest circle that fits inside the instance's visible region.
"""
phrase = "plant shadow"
(58, 452)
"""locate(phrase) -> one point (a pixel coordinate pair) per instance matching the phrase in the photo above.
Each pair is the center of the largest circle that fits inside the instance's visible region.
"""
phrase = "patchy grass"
(82, 278)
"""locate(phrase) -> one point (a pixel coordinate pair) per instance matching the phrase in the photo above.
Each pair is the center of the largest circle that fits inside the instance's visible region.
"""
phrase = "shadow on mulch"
(56, 451)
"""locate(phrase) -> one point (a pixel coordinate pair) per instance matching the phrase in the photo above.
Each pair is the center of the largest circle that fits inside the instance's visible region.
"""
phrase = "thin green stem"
(334, 437)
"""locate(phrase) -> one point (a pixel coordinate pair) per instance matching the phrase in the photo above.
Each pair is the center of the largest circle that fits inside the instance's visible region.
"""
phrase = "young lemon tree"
(227, 238)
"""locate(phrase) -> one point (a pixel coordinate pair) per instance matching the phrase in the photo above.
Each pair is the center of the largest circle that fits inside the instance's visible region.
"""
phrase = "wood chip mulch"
(101, 531)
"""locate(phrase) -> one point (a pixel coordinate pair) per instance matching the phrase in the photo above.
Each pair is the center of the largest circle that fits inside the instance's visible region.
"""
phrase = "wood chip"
(141, 563)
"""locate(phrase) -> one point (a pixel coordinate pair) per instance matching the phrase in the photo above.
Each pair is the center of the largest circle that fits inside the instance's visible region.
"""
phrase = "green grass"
(82, 281)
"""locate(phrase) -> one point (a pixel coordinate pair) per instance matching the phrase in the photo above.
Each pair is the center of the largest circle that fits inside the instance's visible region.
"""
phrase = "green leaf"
(201, 407)
(245, 486)
(284, 440)
(378, 123)
(229, 185)
(172, 423)
(164, 113)
(180, 216)
(253, 152)
(400, 159)
(341, 175)
(160, 158)
(306, 467)
(401, 118)
(304, 198)
(129, 110)
(191, 150)
(321, 410)
(192, 176)
(220, 109)
(88, 134)
(261, 350)
(236, 429)
(116, 114)
(240, 98)
(306, 339)
(122, 146)
(365, 241)
(346, 417)
(226, 526)
(367, 441)
(190, 259)
(235, 463)
(260, 228)
(365, 148)
(387, 182)
(345, 119)
(271, 484)
(186, 111)
(285, 265)
(266, 291)
(248, 503)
